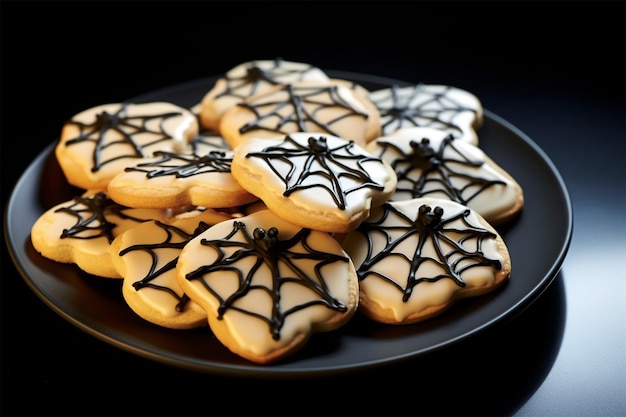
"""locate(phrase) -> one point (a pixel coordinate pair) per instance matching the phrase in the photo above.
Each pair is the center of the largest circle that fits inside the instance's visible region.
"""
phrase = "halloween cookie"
(432, 163)
(145, 257)
(80, 231)
(268, 285)
(98, 143)
(250, 78)
(444, 107)
(314, 180)
(416, 258)
(199, 176)
(329, 107)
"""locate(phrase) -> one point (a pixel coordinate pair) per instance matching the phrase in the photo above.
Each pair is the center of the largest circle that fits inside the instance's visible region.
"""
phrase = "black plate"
(538, 242)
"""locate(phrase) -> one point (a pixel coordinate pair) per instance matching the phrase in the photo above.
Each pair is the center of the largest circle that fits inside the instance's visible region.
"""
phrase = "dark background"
(553, 69)
(59, 58)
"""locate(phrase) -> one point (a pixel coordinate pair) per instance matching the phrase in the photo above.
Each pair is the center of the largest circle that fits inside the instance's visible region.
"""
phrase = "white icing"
(179, 131)
(91, 255)
(307, 106)
(234, 86)
(439, 106)
(425, 294)
(138, 262)
(317, 199)
(281, 71)
(489, 202)
(249, 332)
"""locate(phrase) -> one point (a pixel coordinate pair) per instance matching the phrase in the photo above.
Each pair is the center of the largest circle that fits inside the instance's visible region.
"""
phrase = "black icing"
(430, 226)
(126, 126)
(176, 238)
(426, 167)
(305, 106)
(92, 217)
(332, 167)
(286, 259)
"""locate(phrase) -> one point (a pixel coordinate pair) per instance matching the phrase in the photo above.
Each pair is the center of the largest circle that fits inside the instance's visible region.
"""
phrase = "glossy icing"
(325, 107)
(268, 282)
(249, 78)
(200, 175)
(429, 105)
(318, 174)
(417, 254)
(146, 257)
(431, 163)
(100, 142)
(81, 230)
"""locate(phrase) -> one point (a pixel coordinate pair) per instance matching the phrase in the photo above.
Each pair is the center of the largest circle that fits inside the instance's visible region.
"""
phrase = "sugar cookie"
(80, 231)
(429, 105)
(314, 180)
(250, 78)
(145, 256)
(431, 163)
(330, 107)
(199, 176)
(268, 285)
(98, 143)
(416, 258)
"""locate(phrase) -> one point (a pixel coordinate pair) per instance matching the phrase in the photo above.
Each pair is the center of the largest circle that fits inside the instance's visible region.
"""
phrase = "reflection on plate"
(538, 242)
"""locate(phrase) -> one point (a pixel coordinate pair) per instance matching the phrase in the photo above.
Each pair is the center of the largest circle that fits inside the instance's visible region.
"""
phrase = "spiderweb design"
(288, 262)
(175, 238)
(338, 171)
(183, 165)
(434, 109)
(305, 106)
(256, 78)
(127, 128)
(425, 171)
(430, 226)
(92, 217)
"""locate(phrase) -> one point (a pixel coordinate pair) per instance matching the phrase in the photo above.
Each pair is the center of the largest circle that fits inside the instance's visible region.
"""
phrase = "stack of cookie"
(282, 204)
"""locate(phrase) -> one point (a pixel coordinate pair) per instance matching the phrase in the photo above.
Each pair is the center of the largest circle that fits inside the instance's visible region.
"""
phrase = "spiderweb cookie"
(200, 176)
(313, 180)
(416, 258)
(268, 285)
(432, 163)
(250, 78)
(80, 231)
(330, 107)
(444, 107)
(98, 143)
(145, 256)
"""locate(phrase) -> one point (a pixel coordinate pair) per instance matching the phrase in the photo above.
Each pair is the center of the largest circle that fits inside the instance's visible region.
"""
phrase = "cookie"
(199, 176)
(432, 163)
(145, 256)
(250, 78)
(416, 258)
(330, 107)
(98, 143)
(314, 180)
(268, 285)
(429, 105)
(80, 231)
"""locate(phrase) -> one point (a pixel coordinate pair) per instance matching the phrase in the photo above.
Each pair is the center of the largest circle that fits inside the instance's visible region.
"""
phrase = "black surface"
(553, 69)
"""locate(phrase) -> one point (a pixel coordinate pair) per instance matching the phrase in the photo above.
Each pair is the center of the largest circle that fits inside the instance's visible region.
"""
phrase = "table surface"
(564, 355)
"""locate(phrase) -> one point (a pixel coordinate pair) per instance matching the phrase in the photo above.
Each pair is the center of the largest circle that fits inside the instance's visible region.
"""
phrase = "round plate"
(538, 241)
